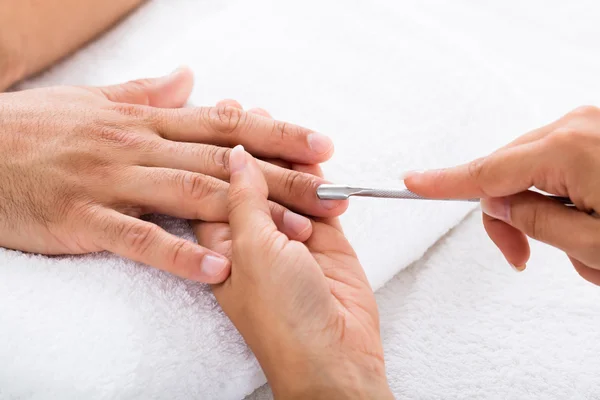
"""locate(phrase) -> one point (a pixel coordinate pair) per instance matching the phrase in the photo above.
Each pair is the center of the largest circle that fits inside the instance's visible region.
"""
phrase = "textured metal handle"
(343, 192)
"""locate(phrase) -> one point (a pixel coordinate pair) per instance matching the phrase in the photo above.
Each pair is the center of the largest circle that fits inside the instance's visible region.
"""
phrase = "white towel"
(392, 88)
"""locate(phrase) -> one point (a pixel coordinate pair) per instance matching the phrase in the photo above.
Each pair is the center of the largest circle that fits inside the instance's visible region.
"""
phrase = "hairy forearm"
(36, 33)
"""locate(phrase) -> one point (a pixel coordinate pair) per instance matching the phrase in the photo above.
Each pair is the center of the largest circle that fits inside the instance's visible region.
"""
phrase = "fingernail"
(518, 268)
(213, 266)
(498, 208)
(237, 159)
(330, 204)
(295, 223)
(319, 143)
(409, 174)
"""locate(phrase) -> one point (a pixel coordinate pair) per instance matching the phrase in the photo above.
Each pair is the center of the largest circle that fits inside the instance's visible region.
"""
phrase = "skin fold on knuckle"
(195, 187)
(179, 256)
(121, 136)
(226, 120)
(220, 158)
(139, 237)
(296, 184)
(476, 170)
(132, 111)
(534, 220)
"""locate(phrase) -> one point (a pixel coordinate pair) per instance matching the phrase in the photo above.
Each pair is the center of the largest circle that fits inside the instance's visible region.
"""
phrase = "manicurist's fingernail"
(237, 159)
(319, 143)
(518, 268)
(297, 224)
(212, 265)
(498, 208)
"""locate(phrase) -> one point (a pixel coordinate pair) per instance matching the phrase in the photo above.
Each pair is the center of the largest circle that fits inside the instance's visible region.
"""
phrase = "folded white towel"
(393, 91)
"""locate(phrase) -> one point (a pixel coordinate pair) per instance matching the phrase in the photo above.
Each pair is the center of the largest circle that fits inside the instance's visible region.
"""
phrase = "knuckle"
(195, 186)
(281, 130)
(226, 119)
(476, 170)
(567, 139)
(178, 251)
(121, 136)
(220, 157)
(130, 110)
(534, 222)
(138, 236)
(296, 183)
(238, 196)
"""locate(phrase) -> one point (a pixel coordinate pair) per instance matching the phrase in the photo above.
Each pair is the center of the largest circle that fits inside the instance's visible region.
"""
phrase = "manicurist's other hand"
(562, 158)
(305, 309)
(80, 165)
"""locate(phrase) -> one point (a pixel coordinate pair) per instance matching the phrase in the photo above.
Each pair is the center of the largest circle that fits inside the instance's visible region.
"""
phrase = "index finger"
(230, 126)
(503, 173)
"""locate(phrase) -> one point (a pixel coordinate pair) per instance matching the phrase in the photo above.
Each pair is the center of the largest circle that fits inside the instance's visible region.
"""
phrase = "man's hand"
(79, 165)
(306, 310)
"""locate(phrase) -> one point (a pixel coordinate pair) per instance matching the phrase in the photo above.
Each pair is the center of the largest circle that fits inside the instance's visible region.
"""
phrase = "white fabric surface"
(398, 85)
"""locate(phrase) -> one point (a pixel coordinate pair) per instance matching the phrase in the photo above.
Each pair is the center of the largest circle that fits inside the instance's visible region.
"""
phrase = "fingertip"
(297, 227)
(237, 159)
(511, 242)
(321, 146)
(173, 90)
(418, 181)
(212, 269)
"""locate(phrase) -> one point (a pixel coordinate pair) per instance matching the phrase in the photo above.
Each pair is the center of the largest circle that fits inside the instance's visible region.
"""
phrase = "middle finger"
(293, 189)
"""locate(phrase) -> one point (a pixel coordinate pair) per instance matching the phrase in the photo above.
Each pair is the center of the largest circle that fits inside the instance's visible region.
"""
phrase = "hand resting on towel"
(79, 165)
(561, 158)
(305, 309)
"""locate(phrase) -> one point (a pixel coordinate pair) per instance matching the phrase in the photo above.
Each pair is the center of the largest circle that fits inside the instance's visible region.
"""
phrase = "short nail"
(295, 223)
(212, 265)
(498, 208)
(237, 159)
(518, 268)
(330, 204)
(319, 143)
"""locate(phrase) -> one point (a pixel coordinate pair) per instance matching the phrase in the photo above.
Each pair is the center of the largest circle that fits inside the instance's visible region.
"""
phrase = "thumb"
(171, 91)
(541, 218)
(249, 214)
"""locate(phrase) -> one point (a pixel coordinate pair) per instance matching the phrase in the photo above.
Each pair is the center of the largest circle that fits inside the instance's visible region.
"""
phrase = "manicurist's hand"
(79, 165)
(306, 310)
(562, 158)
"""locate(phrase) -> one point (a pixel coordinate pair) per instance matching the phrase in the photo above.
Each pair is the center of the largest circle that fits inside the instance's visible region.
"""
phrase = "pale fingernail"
(498, 208)
(295, 223)
(330, 204)
(518, 268)
(319, 143)
(237, 159)
(213, 266)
